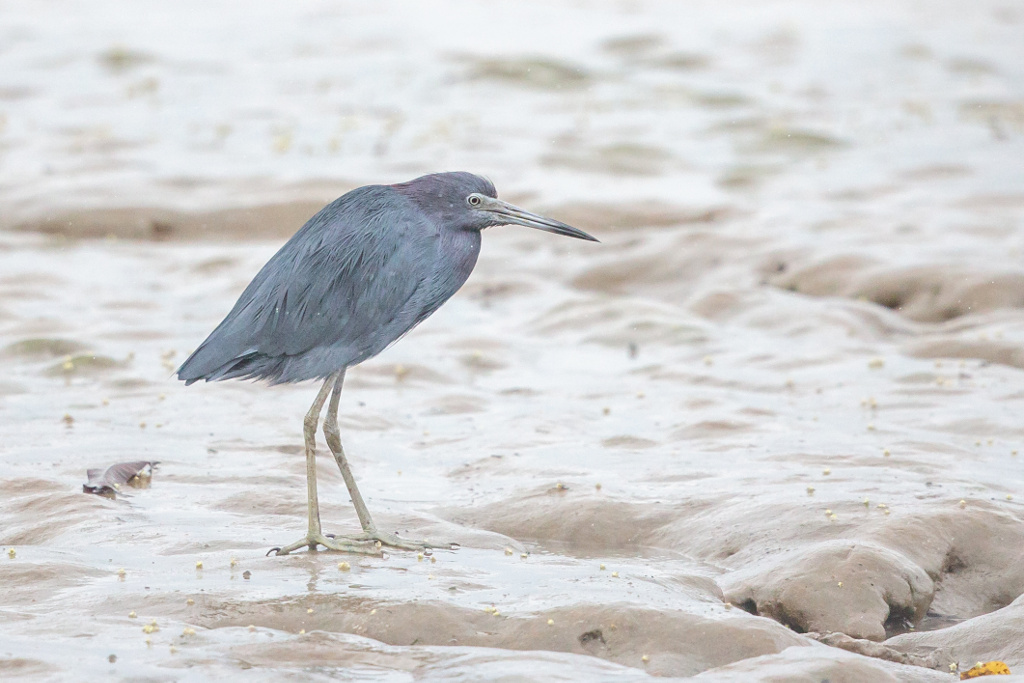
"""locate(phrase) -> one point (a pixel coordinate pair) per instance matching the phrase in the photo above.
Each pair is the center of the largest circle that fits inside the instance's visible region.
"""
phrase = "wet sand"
(768, 430)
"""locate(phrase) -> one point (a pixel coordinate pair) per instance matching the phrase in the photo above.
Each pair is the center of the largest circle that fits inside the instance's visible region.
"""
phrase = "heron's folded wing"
(348, 280)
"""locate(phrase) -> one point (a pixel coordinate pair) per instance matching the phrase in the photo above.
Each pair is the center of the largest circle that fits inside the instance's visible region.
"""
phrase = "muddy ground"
(768, 430)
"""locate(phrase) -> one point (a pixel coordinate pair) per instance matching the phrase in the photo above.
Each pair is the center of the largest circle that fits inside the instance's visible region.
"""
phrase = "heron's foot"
(381, 539)
(344, 545)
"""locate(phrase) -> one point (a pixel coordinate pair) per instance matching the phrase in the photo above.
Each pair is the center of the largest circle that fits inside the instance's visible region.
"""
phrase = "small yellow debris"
(871, 427)
(430, 577)
(867, 503)
(645, 659)
(876, 363)
(309, 610)
(882, 505)
(523, 556)
(491, 610)
(602, 567)
(954, 666)
(132, 614)
(433, 560)
(810, 490)
(68, 420)
(190, 601)
(833, 517)
(496, 613)
(188, 631)
(252, 627)
(508, 551)
(708, 360)
(886, 453)
(986, 669)
(199, 564)
(373, 611)
(551, 622)
(419, 557)
(1009, 496)
(121, 573)
(597, 486)
(401, 371)
(963, 504)
(828, 513)
(173, 649)
(978, 442)
(615, 575)
(827, 471)
(840, 584)
(11, 553)
(69, 365)
(344, 566)
(149, 642)
(302, 632)
(990, 441)
(150, 628)
(233, 563)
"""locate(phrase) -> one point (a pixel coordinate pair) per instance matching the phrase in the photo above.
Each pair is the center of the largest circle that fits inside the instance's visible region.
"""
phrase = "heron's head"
(469, 202)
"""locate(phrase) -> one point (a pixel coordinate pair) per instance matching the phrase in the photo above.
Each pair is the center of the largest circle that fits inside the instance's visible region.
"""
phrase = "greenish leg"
(314, 536)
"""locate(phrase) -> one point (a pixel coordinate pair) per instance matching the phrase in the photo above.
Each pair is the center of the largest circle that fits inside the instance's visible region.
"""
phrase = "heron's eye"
(474, 200)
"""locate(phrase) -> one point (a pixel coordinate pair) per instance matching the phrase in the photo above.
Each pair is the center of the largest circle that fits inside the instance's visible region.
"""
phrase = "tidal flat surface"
(770, 429)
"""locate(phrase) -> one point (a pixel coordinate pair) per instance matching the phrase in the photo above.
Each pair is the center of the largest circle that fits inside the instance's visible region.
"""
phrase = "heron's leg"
(333, 437)
(314, 536)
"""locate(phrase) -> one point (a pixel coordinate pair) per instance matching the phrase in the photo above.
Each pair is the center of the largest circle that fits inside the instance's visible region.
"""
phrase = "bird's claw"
(343, 545)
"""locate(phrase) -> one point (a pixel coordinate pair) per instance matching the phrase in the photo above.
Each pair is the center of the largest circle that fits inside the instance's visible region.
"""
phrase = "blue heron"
(362, 272)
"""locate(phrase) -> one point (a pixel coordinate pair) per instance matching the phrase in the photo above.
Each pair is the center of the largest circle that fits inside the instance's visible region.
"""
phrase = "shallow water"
(781, 399)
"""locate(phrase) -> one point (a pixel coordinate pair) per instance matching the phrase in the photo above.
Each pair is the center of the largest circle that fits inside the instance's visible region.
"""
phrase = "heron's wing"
(342, 289)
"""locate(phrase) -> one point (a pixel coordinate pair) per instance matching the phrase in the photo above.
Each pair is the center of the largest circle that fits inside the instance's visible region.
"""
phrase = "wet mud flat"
(636, 490)
(770, 429)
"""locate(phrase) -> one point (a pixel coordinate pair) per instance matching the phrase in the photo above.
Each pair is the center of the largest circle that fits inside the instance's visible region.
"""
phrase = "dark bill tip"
(513, 215)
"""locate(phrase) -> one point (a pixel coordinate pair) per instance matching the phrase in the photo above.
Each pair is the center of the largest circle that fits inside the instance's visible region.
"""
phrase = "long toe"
(344, 545)
(383, 539)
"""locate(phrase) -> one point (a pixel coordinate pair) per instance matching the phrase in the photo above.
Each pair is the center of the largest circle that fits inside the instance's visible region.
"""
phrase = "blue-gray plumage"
(365, 270)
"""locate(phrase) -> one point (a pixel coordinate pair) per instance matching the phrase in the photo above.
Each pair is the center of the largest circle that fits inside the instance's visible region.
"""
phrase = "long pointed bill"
(513, 215)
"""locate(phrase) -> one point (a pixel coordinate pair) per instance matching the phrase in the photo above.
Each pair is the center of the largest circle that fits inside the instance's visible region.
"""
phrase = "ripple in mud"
(925, 293)
(543, 73)
(794, 141)
(624, 158)
(677, 642)
(85, 364)
(42, 348)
